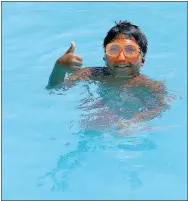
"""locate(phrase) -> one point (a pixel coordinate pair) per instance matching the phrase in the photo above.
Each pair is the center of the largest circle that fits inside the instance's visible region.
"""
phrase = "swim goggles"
(123, 50)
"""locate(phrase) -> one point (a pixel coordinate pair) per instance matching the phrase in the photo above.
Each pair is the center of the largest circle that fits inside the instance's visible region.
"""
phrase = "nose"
(122, 57)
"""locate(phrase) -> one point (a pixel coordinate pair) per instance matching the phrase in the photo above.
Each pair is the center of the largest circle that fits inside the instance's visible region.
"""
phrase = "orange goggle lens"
(114, 50)
(130, 49)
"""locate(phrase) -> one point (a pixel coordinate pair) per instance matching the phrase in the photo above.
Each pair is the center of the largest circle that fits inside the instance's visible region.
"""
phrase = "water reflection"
(118, 151)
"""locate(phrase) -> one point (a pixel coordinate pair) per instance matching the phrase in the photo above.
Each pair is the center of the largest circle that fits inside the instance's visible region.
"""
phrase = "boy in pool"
(125, 48)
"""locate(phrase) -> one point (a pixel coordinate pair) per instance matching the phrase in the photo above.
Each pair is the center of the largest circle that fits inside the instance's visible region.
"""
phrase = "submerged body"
(119, 100)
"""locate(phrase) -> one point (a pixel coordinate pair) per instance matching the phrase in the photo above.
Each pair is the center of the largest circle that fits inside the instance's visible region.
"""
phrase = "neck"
(127, 76)
(123, 76)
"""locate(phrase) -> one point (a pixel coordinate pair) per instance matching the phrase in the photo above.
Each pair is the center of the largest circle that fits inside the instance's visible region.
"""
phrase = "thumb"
(71, 48)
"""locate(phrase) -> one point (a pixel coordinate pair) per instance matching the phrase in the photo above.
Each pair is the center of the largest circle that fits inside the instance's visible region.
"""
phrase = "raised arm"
(68, 63)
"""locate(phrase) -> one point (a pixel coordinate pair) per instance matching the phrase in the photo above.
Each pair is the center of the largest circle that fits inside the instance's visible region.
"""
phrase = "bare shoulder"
(142, 80)
(155, 85)
(82, 73)
(88, 73)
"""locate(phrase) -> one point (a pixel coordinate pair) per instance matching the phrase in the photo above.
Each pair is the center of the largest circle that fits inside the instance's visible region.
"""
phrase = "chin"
(123, 72)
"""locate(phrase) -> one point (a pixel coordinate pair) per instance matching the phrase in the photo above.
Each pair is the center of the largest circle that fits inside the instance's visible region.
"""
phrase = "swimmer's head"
(125, 48)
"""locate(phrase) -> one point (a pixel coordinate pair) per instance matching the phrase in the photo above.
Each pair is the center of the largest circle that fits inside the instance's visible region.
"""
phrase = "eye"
(114, 49)
(130, 49)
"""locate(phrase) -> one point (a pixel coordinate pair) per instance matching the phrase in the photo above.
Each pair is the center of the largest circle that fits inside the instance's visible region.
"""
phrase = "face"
(123, 65)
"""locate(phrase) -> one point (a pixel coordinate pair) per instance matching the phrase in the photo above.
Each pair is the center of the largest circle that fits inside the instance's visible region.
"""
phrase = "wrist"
(60, 63)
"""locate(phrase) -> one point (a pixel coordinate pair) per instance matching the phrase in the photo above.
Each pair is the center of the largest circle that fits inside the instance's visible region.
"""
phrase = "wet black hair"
(127, 28)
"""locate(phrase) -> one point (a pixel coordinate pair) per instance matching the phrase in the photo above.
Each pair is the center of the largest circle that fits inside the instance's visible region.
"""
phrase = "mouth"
(122, 66)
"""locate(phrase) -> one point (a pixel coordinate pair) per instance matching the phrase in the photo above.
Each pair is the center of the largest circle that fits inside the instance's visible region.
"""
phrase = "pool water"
(46, 154)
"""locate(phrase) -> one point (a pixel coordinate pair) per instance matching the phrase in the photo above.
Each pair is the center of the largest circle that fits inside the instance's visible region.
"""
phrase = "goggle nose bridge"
(122, 52)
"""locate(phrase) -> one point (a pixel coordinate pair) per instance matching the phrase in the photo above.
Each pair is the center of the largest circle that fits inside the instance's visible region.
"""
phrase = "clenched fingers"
(77, 63)
(78, 57)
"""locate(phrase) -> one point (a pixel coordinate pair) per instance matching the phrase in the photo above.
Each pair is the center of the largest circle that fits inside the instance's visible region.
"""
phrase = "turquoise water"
(45, 152)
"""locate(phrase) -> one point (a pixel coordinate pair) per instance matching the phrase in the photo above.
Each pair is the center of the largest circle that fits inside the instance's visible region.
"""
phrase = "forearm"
(157, 90)
(57, 76)
(141, 117)
(145, 116)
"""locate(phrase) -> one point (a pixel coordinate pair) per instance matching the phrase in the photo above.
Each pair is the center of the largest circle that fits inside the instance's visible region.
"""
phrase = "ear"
(104, 58)
(143, 60)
